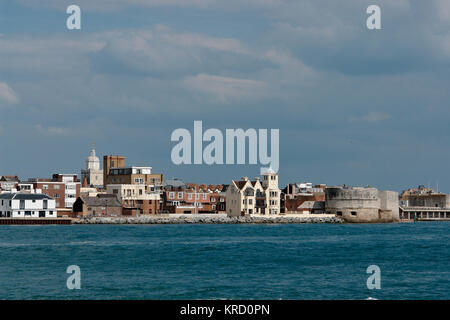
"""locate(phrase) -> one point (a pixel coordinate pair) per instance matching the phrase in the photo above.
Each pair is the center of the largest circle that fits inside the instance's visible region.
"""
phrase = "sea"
(185, 261)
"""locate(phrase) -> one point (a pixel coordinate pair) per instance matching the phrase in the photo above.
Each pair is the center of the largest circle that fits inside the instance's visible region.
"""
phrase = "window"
(56, 195)
(339, 213)
(197, 196)
(171, 195)
(213, 199)
(190, 196)
(180, 195)
(250, 201)
(56, 187)
(354, 213)
(45, 187)
(204, 196)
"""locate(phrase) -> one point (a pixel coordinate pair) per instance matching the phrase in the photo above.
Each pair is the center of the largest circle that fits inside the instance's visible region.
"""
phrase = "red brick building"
(194, 198)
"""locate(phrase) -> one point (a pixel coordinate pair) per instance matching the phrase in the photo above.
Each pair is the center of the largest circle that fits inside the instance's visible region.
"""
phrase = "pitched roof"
(240, 184)
(24, 196)
(101, 201)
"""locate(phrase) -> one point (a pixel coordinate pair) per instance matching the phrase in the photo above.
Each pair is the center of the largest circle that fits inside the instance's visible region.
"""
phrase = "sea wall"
(209, 219)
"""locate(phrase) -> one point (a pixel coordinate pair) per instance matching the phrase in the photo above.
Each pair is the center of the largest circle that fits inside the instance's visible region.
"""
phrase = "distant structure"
(424, 204)
(92, 174)
(362, 205)
(247, 197)
(8, 183)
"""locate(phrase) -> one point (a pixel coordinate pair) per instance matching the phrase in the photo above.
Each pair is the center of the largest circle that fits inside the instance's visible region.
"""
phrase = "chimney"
(244, 178)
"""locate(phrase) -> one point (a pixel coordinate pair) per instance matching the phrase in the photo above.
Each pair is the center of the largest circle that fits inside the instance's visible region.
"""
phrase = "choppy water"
(309, 261)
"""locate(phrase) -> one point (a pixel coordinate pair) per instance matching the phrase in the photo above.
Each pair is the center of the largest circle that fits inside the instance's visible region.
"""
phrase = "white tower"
(92, 162)
(92, 172)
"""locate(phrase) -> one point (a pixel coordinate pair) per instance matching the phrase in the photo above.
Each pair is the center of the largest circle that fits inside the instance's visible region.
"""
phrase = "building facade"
(135, 198)
(193, 198)
(100, 206)
(63, 188)
(27, 205)
(254, 197)
(115, 172)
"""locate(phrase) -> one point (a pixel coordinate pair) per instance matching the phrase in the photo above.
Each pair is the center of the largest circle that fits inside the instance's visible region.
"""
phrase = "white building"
(27, 205)
(125, 192)
(250, 197)
(92, 172)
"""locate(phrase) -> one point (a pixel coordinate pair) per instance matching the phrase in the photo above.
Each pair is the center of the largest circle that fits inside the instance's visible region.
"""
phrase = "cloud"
(52, 131)
(223, 89)
(371, 117)
(7, 94)
(163, 53)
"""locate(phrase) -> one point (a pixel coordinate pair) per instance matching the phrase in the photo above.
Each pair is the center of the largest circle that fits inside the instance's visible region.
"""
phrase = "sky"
(353, 106)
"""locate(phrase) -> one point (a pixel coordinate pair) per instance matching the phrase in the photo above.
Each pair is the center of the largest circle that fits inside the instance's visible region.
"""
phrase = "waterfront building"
(424, 204)
(136, 199)
(362, 205)
(254, 197)
(92, 173)
(193, 198)
(102, 205)
(27, 205)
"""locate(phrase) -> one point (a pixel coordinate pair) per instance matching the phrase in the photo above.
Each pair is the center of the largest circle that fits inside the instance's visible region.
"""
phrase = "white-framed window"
(197, 196)
(171, 195)
(45, 186)
(204, 196)
(190, 196)
(180, 195)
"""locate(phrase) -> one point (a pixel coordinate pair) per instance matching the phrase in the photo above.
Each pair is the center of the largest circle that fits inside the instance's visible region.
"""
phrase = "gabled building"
(254, 197)
(8, 183)
(100, 206)
(27, 205)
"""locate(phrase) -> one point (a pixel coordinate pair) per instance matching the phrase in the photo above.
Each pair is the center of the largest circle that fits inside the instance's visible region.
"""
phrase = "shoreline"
(210, 219)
